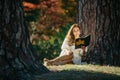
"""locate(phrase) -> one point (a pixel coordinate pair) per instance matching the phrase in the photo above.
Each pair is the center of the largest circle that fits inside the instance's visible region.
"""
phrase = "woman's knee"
(70, 56)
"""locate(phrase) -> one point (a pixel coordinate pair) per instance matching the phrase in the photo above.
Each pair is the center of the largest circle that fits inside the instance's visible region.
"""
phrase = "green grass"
(82, 72)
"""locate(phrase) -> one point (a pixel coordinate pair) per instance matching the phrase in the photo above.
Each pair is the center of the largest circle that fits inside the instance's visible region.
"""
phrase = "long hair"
(70, 38)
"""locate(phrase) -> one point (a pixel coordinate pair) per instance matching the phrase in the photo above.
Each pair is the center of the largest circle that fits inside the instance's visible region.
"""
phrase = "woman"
(69, 54)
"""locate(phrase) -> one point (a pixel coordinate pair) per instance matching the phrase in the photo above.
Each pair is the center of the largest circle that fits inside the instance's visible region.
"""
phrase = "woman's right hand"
(83, 48)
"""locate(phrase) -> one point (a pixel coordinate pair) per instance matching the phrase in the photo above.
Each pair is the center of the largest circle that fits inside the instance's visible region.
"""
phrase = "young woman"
(69, 54)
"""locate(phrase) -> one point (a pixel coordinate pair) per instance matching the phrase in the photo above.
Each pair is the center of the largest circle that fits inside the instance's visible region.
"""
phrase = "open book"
(84, 41)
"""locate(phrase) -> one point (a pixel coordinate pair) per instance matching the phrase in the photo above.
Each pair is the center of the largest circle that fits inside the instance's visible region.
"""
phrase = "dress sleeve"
(65, 48)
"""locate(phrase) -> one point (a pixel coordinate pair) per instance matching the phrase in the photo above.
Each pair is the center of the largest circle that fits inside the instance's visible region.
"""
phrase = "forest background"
(48, 22)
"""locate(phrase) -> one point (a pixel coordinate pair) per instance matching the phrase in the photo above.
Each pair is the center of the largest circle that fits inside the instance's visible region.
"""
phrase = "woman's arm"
(65, 45)
(65, 48)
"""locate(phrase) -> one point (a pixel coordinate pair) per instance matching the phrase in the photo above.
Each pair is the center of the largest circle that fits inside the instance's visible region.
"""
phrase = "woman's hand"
(83, 48)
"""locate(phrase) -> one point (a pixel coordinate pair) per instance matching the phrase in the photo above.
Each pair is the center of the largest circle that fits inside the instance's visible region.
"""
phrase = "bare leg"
(60, 60)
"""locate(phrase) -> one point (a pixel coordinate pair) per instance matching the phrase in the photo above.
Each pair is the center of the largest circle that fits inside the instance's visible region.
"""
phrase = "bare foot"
(47, 62)
(45, 59)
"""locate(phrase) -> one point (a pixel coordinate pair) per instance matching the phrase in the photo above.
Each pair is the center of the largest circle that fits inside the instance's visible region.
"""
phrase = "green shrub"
(51, 48)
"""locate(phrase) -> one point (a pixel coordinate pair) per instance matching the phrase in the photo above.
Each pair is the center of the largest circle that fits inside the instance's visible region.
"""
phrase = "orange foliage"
(51, 14)
(28, 6)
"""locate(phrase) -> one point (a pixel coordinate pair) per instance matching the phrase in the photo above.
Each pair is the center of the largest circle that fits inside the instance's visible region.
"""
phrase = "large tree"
(17, 59)
(101, 19)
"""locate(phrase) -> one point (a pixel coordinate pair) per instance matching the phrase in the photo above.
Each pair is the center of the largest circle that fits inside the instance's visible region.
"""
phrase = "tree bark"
(101, 19)
(17, 58)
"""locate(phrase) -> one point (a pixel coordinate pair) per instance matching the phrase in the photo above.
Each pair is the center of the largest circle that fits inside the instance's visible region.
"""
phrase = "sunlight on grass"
(82, 72)
(95, 68)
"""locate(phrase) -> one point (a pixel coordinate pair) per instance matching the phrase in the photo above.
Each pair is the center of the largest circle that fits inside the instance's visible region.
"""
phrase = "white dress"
(77, 53)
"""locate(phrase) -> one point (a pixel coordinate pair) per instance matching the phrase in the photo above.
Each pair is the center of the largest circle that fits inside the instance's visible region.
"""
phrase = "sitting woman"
(69, 54)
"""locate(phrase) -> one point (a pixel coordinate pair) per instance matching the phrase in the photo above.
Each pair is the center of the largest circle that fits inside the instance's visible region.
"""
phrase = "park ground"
(82, 72)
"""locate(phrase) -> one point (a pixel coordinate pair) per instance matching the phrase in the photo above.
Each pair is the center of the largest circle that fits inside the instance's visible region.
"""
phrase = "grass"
(82, 72)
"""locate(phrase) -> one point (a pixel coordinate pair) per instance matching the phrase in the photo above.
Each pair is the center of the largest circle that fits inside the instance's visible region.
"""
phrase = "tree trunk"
(17, 59)
(101, 19)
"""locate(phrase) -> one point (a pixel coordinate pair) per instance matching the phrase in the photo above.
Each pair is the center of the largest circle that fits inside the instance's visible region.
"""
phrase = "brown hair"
(70, 38)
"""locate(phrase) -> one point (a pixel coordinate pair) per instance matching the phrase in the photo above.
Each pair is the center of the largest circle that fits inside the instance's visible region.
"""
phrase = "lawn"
(82, 72)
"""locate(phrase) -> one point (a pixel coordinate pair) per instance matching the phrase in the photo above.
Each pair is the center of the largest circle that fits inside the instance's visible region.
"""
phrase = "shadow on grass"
(73, 75)
(79, 75)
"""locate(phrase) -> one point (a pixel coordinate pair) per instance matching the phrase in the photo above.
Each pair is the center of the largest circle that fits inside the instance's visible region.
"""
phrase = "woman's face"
(76, 32)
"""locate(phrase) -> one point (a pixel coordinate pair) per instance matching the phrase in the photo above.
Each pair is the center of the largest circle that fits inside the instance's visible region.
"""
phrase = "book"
(84, 41)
